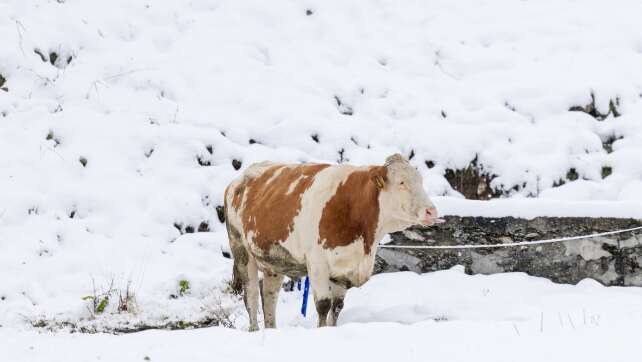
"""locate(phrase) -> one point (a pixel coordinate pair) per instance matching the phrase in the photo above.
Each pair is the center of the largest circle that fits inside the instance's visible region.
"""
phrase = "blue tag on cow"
(306, 291)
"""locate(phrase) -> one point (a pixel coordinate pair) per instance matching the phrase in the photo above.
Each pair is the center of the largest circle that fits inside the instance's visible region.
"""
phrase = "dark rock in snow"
(611, 260)
(203, 227)
(220, 212)
(343, 108)
(472, 182)
(591, 109)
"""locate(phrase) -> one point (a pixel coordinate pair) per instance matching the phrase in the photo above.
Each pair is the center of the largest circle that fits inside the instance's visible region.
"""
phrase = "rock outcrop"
(611, 260)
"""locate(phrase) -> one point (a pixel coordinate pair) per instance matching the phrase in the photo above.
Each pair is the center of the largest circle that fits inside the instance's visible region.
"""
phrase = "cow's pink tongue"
(439, 221)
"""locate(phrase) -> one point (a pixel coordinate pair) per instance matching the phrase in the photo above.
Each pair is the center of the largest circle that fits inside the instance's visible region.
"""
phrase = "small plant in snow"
(99, 300)
(126, 300)
(183, 287)
(218, 314)
(232, 288)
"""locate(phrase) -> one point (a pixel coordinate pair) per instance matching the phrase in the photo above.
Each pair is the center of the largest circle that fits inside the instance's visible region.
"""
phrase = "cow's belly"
(348, 266)
(279, 260)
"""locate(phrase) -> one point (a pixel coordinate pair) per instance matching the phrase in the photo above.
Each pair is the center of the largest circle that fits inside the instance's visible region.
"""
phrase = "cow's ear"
(379, 181)
(396, 158)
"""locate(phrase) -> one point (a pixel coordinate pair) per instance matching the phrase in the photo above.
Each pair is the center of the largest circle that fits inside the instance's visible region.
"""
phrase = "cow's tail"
(236, 285)
(239, 255)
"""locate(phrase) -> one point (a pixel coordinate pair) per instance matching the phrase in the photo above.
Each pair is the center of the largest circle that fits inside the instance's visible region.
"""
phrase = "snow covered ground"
(121, 122)
(441, 316)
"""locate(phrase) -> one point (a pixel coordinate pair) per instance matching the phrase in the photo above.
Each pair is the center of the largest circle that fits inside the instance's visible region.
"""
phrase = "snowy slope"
(123, 121)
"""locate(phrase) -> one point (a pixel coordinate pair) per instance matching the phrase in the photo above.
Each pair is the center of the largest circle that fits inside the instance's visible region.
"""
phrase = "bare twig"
(438, 64)
(93, 85)
(103, 81)
(541, 322)
(516, 329)
(570, 320)
(559, 315)
(122, 74)
(126, 303)
(18, 27)
(175, 114)
(45, 80)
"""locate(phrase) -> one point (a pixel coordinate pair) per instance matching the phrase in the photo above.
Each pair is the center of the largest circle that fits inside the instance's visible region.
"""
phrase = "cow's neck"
(390, 225)
(388, 222)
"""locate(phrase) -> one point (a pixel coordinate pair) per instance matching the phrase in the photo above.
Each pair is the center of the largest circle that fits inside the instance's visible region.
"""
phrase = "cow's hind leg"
(249, 279)
(269, 295)
(338, 293)
(244, 275)
(251, 293)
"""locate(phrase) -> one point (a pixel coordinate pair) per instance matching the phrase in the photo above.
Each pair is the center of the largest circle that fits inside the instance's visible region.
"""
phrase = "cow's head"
(402, 197)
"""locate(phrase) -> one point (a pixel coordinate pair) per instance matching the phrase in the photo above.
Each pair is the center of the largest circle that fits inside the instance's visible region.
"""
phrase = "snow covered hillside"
(121, 123)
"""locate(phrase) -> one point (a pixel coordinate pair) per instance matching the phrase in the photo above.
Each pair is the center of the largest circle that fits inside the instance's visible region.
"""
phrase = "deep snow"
(130, 133)
(441, 316)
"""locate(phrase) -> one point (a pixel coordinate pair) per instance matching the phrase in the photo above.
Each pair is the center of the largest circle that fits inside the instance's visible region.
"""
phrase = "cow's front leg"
(320, 284)
(323, 307)
(338, 293)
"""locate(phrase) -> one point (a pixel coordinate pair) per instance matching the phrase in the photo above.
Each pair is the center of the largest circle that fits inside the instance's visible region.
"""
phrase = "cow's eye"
(402, 183)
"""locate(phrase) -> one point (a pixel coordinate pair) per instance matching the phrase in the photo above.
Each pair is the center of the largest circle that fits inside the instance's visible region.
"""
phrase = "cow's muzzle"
(430, 217)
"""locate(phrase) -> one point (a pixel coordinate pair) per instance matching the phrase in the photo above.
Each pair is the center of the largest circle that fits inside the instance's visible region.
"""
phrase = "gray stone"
(611, 260)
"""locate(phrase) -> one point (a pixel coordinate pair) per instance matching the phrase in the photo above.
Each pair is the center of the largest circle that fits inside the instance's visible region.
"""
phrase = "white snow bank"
(444, 316)
(530, 208)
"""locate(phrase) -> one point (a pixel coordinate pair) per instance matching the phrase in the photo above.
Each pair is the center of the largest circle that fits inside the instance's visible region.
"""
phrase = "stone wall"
(611, 260)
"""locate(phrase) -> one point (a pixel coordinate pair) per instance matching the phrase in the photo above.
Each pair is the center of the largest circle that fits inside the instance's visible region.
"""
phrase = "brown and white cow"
(320, 220)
